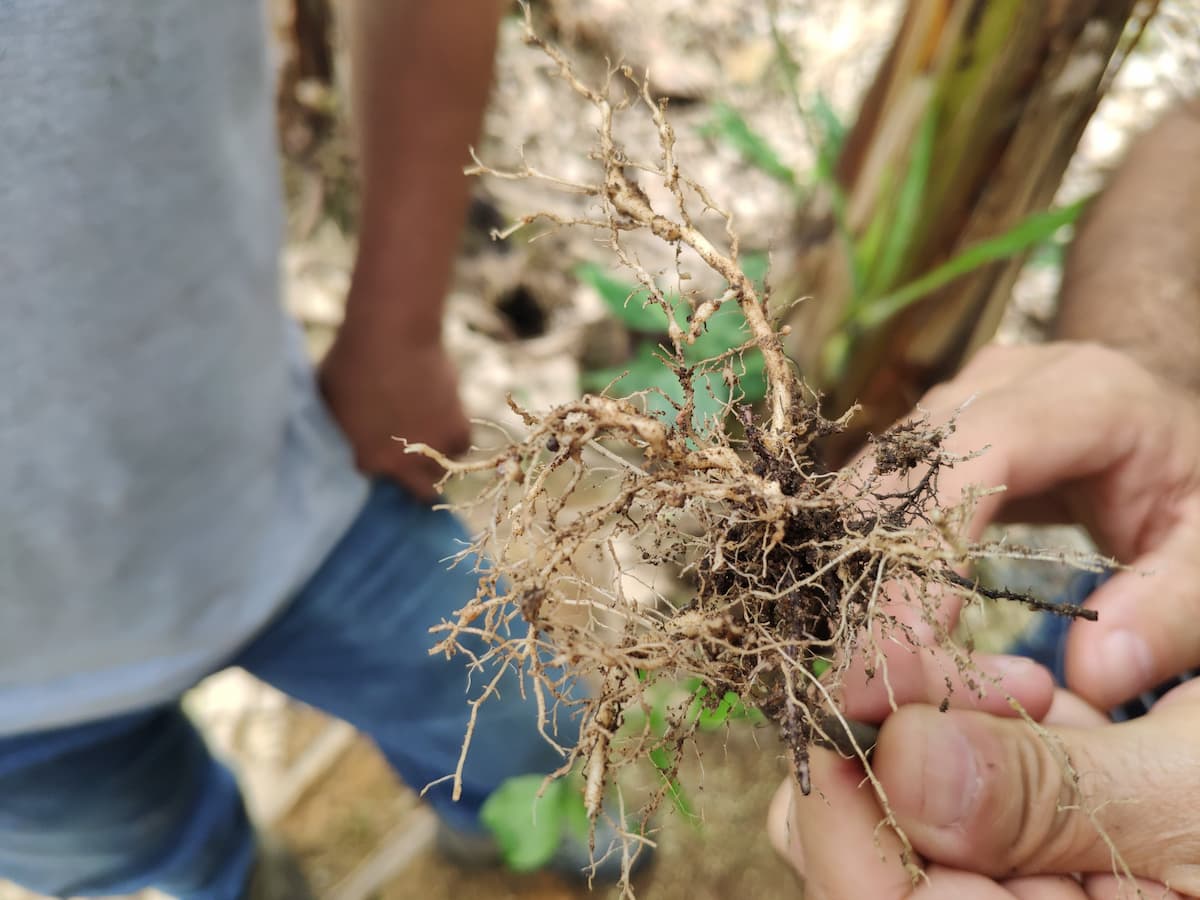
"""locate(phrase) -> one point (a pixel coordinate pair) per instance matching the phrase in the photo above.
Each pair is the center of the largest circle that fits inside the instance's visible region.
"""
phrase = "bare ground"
(351, 809)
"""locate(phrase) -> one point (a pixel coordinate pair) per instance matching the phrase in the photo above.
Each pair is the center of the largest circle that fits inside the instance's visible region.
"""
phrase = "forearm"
(421, 73)
(1132, 279)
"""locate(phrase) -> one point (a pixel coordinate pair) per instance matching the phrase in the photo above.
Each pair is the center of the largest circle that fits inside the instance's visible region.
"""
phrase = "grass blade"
(1031, 231)
(904, 220)
(729, 125)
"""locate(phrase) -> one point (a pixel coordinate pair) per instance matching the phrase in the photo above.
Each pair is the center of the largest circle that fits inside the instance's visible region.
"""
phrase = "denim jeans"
(1045, 640)
(122, 804)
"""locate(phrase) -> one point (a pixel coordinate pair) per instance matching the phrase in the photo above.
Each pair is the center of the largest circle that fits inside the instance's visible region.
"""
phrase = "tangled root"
(786, 563)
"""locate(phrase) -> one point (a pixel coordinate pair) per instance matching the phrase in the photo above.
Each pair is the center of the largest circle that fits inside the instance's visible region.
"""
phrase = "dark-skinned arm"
(421, 74)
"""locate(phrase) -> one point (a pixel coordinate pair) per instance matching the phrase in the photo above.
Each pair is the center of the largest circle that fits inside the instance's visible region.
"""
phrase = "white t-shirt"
(168, 476)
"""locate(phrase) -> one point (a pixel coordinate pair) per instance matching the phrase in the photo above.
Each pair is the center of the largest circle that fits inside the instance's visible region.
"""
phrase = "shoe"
(276, 874)
(572, 860)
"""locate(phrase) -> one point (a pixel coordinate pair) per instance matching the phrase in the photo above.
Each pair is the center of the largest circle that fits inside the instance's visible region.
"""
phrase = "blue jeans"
(114, 806)
(1045, 641)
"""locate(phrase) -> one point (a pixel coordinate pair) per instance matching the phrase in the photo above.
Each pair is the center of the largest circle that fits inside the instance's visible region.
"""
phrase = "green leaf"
(633, 719)
(739, 711)
(696, 707)
(867, 247)
(1049, 254)
(712, 719)
(575, 811)
(1030, 231)
(729, 125)
(647, 372)
(755, 266)
(902, 222)
(627, 302)
(527, 828)
(832, 135)
(658, 714)
(725, 329)
(836, 353)
(711, 397)
(753, 381)
(730, 709)
(820, 666)
(664, 761)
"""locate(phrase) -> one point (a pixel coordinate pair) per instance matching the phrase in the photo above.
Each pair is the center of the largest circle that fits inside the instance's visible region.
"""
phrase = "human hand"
(381, 390)
(1080, 433)
(1010, 826)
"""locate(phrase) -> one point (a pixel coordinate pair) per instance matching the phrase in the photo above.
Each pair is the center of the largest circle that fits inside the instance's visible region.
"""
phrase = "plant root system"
(792, 569)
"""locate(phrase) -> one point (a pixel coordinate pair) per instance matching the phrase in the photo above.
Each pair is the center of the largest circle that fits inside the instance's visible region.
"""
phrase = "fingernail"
(1125, 662)
(952, 780)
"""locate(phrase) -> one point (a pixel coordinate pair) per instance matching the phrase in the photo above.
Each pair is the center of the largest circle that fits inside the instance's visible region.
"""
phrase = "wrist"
(384, 318)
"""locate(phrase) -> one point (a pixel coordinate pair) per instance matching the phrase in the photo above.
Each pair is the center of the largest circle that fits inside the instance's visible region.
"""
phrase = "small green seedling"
(529, 817)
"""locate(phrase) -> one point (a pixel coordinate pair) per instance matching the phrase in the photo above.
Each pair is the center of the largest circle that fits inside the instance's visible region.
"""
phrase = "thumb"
(994, 796)
(1146, 631)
